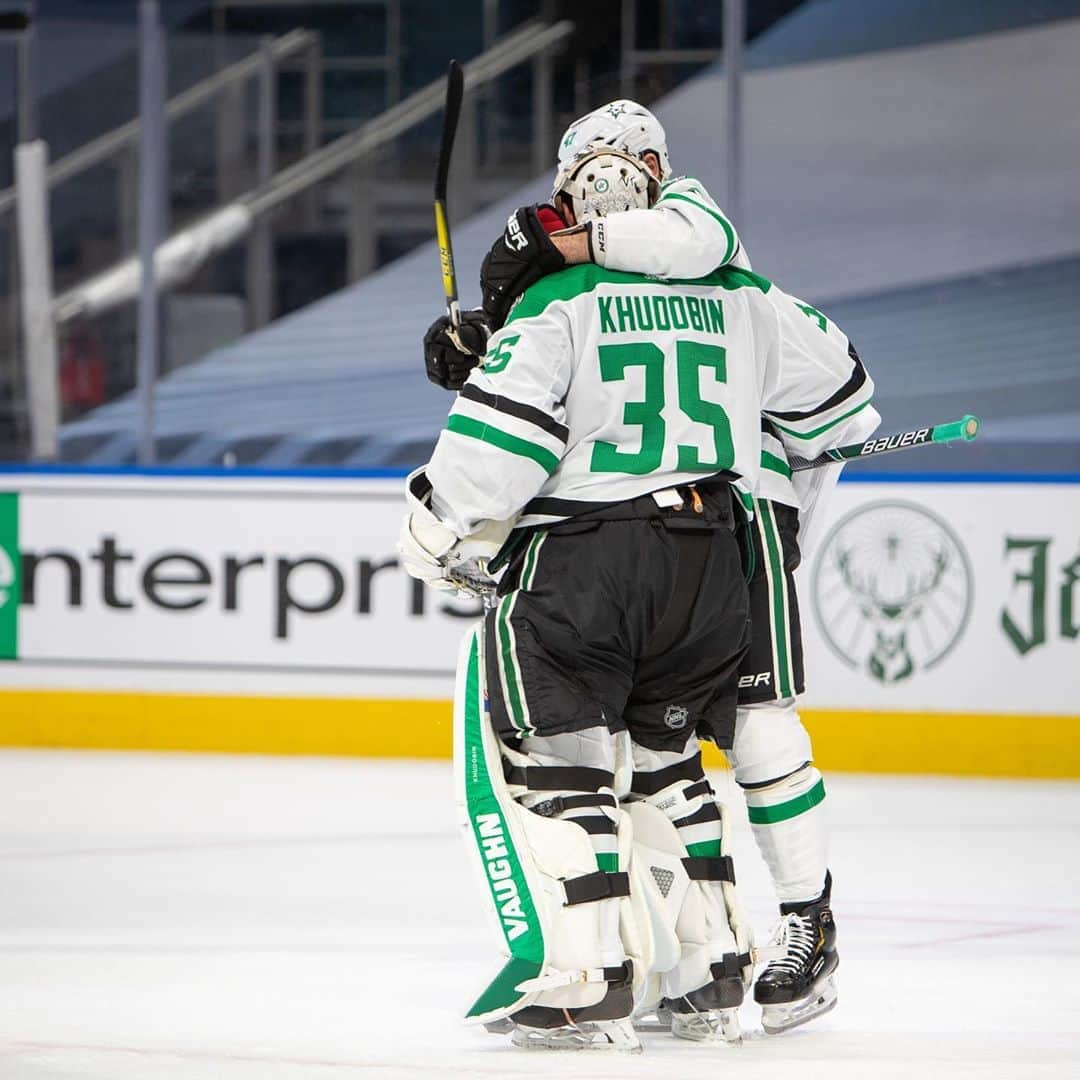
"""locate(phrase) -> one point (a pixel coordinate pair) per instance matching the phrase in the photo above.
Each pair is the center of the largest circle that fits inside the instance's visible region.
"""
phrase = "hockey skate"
(801, 985)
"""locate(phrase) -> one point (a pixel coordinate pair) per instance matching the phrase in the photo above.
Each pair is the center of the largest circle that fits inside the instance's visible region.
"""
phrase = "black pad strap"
(558, 777)
(623, 973)
(561, 803)
(596, 886)
(706, 868)
(596, 824)
(702, 787)
(731, 964)
(651, 783)
(708, 812)
(774, 780)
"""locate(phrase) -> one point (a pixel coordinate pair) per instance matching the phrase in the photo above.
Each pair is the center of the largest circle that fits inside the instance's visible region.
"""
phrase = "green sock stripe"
(771, 815)
(608, 861)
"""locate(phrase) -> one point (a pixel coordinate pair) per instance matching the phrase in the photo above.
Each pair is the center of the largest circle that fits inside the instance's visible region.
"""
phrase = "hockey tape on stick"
(964, 430)
(455, 88)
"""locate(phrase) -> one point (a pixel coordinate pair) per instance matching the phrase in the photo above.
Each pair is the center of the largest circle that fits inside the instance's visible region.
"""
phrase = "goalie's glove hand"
(424, 557)
(432, 554)
(519, 258)
(447, 365)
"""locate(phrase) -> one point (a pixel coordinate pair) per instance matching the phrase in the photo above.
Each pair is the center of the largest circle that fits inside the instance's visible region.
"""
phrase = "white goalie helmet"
(604, 181)
(624, 125)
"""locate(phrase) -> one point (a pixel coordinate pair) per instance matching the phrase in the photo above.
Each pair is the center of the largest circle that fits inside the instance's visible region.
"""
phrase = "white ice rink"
(276, 919)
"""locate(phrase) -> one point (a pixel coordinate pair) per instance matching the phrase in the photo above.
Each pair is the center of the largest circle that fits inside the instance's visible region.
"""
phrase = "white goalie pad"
(539, 874)
(683, 926)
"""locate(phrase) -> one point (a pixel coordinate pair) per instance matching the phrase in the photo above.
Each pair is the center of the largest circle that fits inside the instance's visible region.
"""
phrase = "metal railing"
(184, 252)
(126, 137)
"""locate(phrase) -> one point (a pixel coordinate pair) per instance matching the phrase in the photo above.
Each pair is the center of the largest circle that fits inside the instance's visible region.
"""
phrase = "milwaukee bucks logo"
(892, 590)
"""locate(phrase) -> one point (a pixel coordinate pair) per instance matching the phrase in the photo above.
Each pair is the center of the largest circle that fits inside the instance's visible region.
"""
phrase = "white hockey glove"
(436, 555)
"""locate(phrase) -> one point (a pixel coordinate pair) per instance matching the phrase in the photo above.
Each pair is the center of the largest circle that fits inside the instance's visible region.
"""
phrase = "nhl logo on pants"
(675, 716)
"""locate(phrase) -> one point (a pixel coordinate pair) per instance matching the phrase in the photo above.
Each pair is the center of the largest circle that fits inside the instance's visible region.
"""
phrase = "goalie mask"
(623, 125)
(603, 182)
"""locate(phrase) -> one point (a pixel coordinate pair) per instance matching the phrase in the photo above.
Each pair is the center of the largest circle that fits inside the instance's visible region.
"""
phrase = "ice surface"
(189, 917)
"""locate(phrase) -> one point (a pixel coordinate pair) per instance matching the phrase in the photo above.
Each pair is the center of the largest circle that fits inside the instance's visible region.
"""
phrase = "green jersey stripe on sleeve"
(474, 429)
(824, 427)
(775, 464)
(528, 413)
(729, 232)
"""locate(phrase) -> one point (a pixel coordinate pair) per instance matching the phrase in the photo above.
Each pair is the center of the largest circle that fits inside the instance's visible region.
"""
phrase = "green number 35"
(690, 358)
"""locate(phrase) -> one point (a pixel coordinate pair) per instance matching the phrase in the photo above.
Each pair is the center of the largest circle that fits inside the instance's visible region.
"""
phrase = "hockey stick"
(965, 429)
(455, 86)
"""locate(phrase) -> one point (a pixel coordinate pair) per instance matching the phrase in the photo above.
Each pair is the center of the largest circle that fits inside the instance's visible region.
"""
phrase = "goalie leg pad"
(771, 760)
(556, 909)
(683, 874)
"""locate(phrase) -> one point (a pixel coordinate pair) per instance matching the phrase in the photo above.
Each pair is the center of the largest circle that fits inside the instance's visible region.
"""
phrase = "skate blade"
(650, 1024)
(617, 1036)
(778, 1018)
(715, 1026)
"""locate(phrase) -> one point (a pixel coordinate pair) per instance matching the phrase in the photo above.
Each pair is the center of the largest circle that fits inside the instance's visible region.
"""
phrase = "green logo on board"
(892, 590)
(9, 576)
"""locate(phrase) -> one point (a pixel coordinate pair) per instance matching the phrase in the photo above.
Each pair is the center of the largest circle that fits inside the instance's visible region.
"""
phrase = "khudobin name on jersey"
(606, 385)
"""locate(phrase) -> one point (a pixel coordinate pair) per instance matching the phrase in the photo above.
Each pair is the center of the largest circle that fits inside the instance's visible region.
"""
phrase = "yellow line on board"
(233, 724)
(964, 744)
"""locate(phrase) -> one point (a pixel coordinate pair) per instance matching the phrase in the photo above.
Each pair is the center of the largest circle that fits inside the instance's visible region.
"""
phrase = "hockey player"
(685, 235)
(577, 417)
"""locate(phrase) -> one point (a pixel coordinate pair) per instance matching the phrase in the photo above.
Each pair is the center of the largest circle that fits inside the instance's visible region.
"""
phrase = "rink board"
(267, 614)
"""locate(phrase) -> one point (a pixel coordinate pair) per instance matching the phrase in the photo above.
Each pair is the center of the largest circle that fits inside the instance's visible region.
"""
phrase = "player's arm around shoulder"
(684, 235)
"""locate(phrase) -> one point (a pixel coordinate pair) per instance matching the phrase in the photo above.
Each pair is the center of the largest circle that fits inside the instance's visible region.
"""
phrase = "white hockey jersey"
(603, 386)
(686, 235)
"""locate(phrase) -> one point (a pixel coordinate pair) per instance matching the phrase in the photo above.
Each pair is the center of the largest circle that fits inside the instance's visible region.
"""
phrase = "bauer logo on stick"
(892, 590)
(894, 442)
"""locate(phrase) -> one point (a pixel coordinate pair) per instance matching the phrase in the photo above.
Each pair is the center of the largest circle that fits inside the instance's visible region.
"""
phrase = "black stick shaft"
(455, 88)
(964, 429)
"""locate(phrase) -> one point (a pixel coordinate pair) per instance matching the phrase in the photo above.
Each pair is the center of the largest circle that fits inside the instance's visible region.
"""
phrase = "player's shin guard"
(699, 944)
(554, 895)
(771, 760)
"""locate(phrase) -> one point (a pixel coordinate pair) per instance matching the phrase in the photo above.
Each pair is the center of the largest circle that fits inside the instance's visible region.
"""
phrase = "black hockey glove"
(447, 365)
(521, 256)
